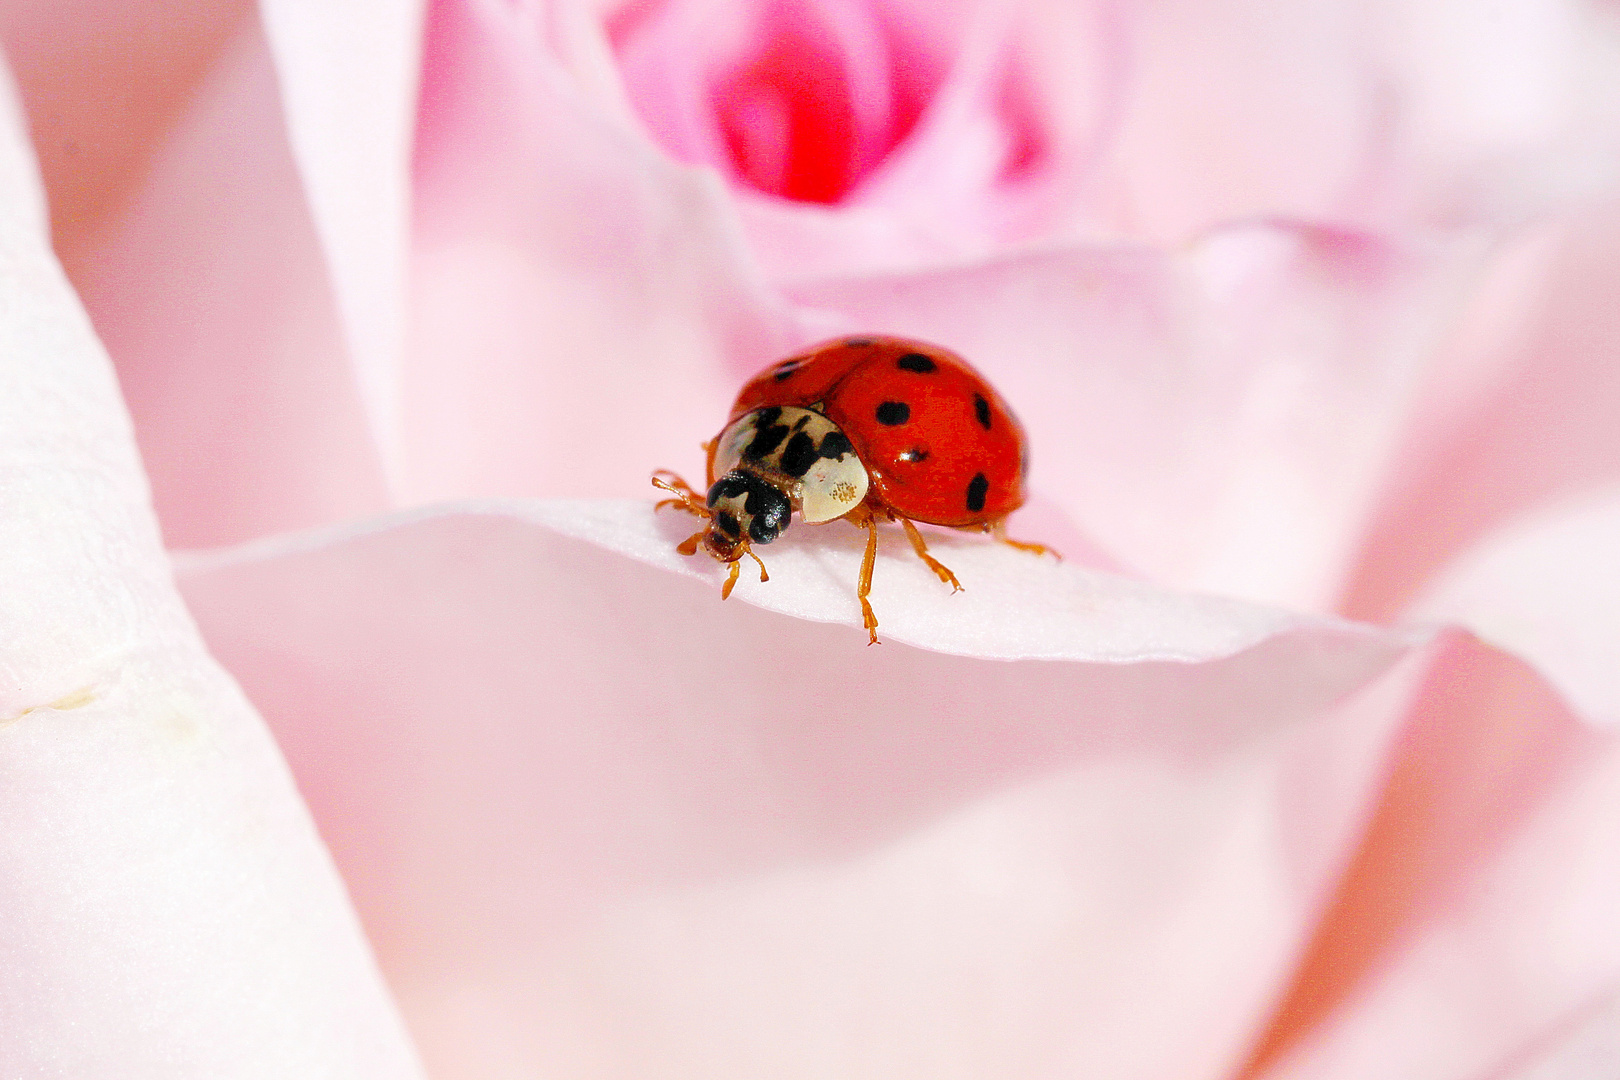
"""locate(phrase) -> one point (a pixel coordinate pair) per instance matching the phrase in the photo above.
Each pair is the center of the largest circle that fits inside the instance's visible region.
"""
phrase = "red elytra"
(900, 430)
(956, 428)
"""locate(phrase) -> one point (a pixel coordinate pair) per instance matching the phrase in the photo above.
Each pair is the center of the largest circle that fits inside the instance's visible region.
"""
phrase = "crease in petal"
(164, 886)
(211, 293)
(1474, 923)
(1544, 587)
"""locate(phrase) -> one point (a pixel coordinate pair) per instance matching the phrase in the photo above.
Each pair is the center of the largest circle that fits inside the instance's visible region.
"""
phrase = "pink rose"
(1303, 765)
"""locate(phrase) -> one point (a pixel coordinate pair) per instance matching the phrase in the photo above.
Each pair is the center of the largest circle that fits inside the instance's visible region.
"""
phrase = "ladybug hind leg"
(921, 549)
(999, 531)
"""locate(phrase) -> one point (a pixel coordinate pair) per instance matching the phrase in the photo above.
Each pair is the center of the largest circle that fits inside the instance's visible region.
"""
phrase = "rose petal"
(169, 910)
(104, 82)
(1153, 122)
(1220, 417)
(1014, 605)
(1476, 924)
(1589, 1045)
(602, 824)
(1519, 418)
(1374, 115)
(211, 292)
(968, 126)
(348, 76)
(585, 310)
(1545, 587)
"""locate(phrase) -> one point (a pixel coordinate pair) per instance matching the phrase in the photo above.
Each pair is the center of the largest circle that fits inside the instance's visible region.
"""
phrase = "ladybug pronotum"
(865, 429)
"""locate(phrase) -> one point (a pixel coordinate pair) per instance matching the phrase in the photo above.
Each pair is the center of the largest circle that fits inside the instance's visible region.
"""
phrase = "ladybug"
(865, 429)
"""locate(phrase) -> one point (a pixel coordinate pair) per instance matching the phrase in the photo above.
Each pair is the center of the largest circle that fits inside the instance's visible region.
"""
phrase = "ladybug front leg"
(685, 498)
(921, 549)
(736, 569)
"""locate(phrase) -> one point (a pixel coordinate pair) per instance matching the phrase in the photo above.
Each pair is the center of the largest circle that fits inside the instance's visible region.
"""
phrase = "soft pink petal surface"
(718, 840)
(997, 123)
(251, 415)
(169, 910)
(1474, 928)
(578, 299)
(1545, 587)
(210, 288)
(348, 75)
(715, 840)
(1520, 418)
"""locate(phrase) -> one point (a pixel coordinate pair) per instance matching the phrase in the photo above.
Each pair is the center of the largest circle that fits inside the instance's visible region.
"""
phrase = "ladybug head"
(745, 509)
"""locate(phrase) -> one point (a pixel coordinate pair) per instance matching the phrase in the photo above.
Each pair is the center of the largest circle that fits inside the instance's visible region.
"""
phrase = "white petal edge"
(1013, 605)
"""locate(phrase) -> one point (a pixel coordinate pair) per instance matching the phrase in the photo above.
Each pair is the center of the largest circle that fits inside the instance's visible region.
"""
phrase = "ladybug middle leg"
(921, 549)
(685, 498)
(863, 518)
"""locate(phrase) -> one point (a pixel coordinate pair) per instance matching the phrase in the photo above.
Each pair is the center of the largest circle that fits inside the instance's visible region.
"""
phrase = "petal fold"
(169, 909)
(348, 77)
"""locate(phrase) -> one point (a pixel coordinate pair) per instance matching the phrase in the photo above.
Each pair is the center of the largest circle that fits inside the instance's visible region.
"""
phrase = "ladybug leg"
(763, 576)
(864, 586)
(685, 498)
(921, 549)
(999, 531)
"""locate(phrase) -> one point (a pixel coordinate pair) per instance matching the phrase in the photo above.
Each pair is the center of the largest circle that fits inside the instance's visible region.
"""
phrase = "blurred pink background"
(361, 721)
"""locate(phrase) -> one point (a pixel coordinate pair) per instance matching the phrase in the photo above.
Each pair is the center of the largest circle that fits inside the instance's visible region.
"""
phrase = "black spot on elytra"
(891, 413)
(978, 488)
(834, 445)
(768, 434)
(915, 361)
(727, 523)
(859, 342)
(799, 454)
(786, 368)
(981, 409)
